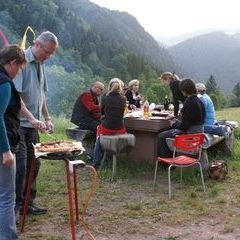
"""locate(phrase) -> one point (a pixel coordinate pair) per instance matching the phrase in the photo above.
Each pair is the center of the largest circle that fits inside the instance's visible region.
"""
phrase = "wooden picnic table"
(146, 134)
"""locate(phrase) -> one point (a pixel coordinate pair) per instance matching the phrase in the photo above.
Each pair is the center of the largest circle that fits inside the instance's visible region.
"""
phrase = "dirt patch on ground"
(130, 209)
(204, 230)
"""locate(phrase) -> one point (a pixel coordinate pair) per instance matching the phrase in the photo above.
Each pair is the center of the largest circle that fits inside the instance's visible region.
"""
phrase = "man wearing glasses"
(86, 111)
(31, 83)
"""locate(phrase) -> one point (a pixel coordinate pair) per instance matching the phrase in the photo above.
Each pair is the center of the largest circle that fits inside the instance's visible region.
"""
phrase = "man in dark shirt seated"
(86, 112)
(192, 119)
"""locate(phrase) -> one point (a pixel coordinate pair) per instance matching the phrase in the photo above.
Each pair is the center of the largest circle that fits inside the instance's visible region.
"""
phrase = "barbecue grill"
(71, 161)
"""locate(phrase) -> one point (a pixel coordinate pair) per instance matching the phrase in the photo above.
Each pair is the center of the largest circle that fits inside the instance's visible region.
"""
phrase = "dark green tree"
(156, 93)
(235, 102)
(211, 85)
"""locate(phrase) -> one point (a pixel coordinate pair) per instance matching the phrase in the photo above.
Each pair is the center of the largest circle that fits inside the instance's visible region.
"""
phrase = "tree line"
(87, 54)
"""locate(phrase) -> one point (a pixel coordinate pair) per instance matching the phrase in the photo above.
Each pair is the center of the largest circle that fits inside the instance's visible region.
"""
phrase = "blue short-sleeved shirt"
(209, 109)
(31, 88)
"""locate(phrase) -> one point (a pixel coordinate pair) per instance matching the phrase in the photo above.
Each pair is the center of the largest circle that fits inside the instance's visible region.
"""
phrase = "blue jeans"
(8, 229)
(215, 129)
(97, 153)
(163, 149)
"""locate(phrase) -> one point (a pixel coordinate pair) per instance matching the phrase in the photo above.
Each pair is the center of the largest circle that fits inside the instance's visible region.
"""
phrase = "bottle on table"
(166, 103)
(126, 110)
(146, 112)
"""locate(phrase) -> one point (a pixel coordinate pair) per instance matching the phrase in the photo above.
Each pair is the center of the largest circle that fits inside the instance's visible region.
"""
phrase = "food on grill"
(57, 146)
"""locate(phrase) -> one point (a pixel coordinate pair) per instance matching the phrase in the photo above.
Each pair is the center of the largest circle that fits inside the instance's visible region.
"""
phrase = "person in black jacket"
(112, 109)
(132, 94)
(192, 118)
(86, 111)
(172, 80)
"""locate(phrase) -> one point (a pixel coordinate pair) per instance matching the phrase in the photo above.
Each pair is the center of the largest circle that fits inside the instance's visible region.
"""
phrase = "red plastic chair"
(191, 143)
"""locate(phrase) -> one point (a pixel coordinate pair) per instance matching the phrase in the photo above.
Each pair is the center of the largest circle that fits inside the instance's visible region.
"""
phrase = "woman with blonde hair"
(112, 109)
(172, 80)
(132, 94)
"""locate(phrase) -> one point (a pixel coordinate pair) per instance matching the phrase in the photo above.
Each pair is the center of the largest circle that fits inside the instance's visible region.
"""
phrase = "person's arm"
(27, 114)
(175, 93)
(102, 107)
(90, 105)
(48, 120)
(129, 96)
(45, 109)
(188, 113)
(5, 95)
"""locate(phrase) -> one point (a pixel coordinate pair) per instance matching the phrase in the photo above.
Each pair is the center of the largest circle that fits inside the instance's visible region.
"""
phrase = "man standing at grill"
(32, 85)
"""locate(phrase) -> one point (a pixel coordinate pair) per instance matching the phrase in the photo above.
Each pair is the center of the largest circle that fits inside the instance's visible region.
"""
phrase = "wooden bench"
(114, 144)
(87, 138)
(212, 142)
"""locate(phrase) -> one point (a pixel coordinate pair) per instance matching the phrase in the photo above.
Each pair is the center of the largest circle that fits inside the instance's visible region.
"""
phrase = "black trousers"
(28, 137)
(91, 125)
(163, 149)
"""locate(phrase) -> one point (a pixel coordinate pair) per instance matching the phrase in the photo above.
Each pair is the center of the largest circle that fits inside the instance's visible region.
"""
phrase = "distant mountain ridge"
(216, 54)
(174, 40)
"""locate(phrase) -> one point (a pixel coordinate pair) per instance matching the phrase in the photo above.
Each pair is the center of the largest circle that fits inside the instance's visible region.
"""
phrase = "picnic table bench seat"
(114, 144)
(111, 144)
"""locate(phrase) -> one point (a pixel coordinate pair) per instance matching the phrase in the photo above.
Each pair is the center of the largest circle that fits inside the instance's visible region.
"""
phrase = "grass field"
(130, 208)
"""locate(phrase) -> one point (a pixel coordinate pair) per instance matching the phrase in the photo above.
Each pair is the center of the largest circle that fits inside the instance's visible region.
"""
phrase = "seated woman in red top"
(112, 108)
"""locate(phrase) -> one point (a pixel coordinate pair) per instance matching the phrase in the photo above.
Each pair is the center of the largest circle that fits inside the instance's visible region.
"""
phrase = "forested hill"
(100, 35)
(124, 30)
(94, 41)
(216, 54)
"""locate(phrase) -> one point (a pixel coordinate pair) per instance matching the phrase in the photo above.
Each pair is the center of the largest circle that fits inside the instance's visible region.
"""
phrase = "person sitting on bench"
(112, 108)
(211, 125)
(86, 111)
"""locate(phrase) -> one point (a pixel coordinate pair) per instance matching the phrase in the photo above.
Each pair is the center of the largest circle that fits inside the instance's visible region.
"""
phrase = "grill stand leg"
(70, 201)
(76, 193)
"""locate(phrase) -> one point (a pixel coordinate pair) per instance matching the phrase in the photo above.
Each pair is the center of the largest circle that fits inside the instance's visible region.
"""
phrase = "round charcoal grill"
(69, 155)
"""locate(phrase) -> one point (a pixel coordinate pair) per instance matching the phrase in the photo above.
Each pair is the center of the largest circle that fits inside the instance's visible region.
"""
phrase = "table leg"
(73, 230)
(76, 192)
(27, 197)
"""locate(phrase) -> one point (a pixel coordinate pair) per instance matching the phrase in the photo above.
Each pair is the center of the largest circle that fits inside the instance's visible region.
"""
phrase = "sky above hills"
(171, 18)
